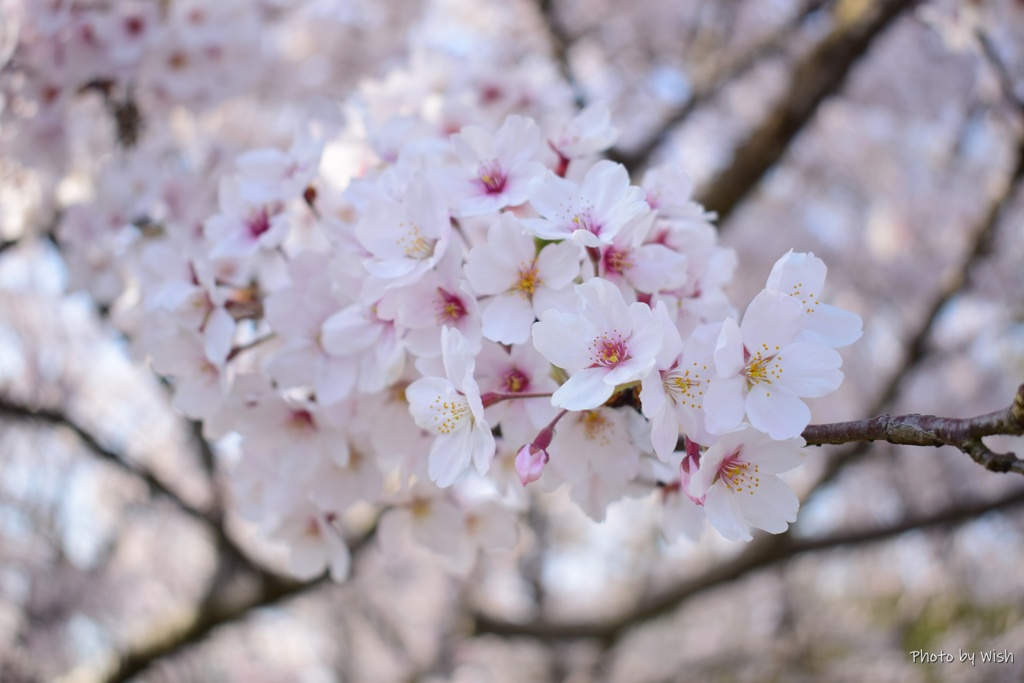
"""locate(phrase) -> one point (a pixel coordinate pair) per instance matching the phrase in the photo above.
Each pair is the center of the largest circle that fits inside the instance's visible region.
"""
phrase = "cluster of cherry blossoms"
(495, 309)
(446, 302)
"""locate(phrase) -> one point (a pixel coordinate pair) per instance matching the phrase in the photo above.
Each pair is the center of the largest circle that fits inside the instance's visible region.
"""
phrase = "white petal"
(834, 326)
(772, 507)
(773, 320)
(458, 358)
(552, 197)
(584, 390)
(729, 349)
(724, 404)
(335, 380)
(558, 264)
(798, 274)
(423, 396)
(658, 268)
(652, 395)
(776, 412)
(482, 446)
(810, 369)
(507, 318)
(724, 514)
(450, 456)
(665, 434)
(307, 557)
(349, 330)
(563, 339)
(218, 335)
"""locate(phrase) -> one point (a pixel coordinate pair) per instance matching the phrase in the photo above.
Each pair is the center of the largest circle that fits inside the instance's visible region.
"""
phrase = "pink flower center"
(449, 307)
(492, 177)
(739, 475)
(258, 223)
(301, 421)
(608, 351)
(617, 260)
(515, 381)
(584, 220)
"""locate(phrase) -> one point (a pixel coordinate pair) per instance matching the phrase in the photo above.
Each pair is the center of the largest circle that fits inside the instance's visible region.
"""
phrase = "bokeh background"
(883, 135)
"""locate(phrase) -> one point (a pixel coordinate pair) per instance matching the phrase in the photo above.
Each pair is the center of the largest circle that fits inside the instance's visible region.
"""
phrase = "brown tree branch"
(818, 76)
(929, 430)
(762, 553)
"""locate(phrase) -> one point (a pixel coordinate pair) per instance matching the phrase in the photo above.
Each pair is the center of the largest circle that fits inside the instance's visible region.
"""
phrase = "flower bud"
(687, 468)
(530, 463)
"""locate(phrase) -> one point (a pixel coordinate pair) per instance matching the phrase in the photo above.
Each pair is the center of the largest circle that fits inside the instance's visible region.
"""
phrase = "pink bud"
(530, 463)
(687, 468)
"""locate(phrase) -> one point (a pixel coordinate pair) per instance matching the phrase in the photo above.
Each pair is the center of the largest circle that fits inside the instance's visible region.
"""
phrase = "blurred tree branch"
(636, 159)
(560, 40)
(220, 608)
(818, 76)
(13, 410)
(760, 554)
(255, 586)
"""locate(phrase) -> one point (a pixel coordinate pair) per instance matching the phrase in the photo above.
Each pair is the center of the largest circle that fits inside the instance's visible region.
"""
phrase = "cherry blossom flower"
(242, 228)
(520, 282)
(589, 132)
(200, 385)
(763, 367)
(737, 481)
(641, 267)
(440, 299)
(404, 240)
(709, 268)
(190, 292)
(314, 544)
(297, 314)
(593, 452)
(669, 191)
(449, 529)
(268, 175)
(517, 371)
(604, 344)
(672, 396)
(592, 213)
(496, 169)
(802, 276)
(368, 341)
(452, 409)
